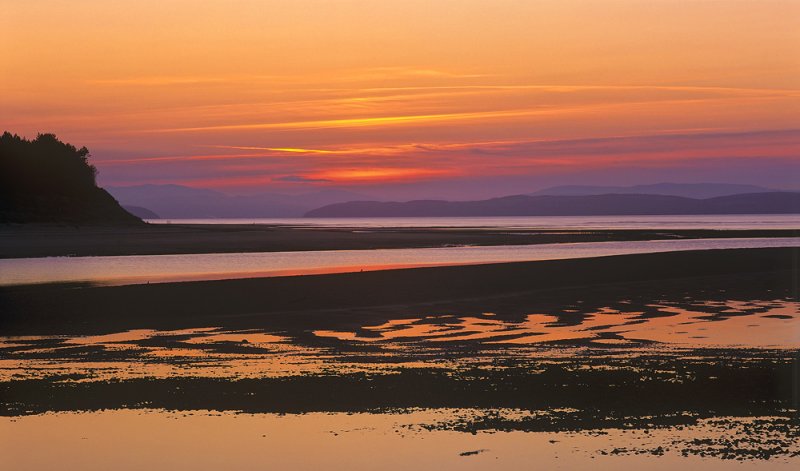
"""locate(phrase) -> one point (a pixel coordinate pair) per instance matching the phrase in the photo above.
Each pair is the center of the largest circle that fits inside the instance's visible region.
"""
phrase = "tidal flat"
(51, 240)
(652, 360)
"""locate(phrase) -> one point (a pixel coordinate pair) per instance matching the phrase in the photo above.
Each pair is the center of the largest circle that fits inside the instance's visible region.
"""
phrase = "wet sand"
(681, 358)
(328, 299)
(158, 239)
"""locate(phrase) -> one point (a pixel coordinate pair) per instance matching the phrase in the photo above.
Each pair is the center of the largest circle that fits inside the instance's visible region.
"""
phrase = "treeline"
(46, 180)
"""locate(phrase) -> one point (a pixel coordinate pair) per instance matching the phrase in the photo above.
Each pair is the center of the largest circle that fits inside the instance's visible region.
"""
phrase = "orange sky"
(463, 96)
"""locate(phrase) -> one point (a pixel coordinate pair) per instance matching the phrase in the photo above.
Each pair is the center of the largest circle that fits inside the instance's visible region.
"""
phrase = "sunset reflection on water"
(772, 323)
(405, 343)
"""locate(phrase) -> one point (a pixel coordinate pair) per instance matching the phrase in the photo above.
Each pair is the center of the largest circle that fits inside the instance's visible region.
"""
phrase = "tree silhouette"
(46, 180)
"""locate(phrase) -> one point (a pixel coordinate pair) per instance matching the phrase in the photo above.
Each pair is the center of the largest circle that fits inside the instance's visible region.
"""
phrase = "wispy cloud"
(774, 142)
(371, 174)
(372, 74)
(458, 116)
(158, 80)
(380, 120)
(290, 150)
(300, 179)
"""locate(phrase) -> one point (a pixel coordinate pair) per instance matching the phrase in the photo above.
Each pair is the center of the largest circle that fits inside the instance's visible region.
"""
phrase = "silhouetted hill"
(523, 205)
(141, 212)
(45, 180)
(687, 190)
(177, 201)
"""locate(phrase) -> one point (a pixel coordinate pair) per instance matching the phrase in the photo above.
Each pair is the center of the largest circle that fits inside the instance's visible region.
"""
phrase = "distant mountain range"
(687, 190)
(590, 205)
(176, 202)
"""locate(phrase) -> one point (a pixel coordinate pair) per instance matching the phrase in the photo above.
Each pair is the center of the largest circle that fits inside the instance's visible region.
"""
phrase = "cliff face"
(47, 181)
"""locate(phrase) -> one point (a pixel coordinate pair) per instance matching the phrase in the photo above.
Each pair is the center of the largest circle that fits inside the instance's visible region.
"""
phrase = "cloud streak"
(300, 179)
(420, 162)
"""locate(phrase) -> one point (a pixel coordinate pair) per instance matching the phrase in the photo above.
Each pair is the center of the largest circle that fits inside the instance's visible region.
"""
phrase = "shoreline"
(598, 335)
(292, 300)
(147, 269)
(33, 241)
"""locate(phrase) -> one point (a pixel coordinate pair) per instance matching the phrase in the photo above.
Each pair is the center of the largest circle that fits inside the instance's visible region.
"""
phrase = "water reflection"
(142, 269)
(771, 323)
(594, 382)
(430, 341)
(210, 440)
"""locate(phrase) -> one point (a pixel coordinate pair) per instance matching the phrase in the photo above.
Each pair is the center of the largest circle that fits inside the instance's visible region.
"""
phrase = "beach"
(20, 241)
(689, 354)
(216, 301)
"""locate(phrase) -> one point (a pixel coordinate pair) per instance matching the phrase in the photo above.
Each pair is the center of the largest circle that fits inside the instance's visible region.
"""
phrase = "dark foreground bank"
(289, 301)
(18, 241)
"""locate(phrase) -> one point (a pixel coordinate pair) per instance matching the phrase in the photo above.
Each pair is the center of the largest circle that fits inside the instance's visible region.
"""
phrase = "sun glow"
(379, 174)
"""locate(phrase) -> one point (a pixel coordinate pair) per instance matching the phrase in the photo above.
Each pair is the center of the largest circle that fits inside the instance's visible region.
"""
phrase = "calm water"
(210, 440)
(161, 268)
(737, 221)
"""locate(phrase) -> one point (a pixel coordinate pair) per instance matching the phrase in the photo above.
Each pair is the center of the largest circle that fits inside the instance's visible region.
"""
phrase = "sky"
(404, 99)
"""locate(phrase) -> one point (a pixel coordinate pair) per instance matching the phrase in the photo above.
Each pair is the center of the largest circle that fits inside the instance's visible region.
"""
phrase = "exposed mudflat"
(20, 241)
(682, 355)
